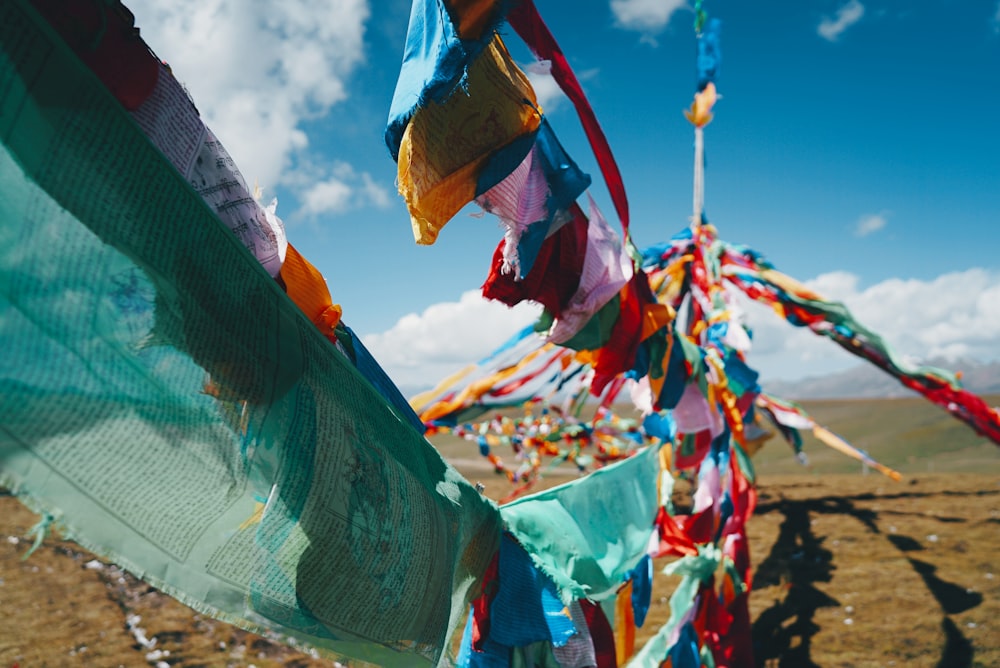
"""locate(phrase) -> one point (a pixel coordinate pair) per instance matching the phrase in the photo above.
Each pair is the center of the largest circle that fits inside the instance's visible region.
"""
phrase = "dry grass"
(912, 565)
(850, 569)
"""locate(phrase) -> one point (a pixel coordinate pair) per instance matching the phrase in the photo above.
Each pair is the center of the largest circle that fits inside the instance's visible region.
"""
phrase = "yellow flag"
(445, 146)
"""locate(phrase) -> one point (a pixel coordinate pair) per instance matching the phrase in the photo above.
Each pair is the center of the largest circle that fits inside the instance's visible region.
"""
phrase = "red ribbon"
(525, 20)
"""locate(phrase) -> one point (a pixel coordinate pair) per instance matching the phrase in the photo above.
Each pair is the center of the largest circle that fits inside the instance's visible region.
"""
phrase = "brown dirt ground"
(850, 570)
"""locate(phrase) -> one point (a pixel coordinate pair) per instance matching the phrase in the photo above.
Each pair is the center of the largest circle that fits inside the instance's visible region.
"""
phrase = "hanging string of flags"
(200, 413)
(611, 320)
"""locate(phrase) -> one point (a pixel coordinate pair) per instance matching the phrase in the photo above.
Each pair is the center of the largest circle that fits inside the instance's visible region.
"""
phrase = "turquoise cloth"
(588, 534)
(172, 409)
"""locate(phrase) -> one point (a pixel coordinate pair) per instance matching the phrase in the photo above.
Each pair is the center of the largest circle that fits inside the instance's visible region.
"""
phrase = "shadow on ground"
(798, 562)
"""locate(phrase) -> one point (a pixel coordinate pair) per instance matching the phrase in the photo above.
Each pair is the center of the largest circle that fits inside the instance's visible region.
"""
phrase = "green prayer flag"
(587, 534)
(171, 408)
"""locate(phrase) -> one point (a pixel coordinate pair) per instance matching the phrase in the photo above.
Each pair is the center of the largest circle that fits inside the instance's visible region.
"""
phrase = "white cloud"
(996, 19)
(375, 193)
(953, 316)
(870, 223)
(547, 90)
(258, 70)
(831, 28)
(332, 195)
(646, 16)
(423, 348)
(335, 189)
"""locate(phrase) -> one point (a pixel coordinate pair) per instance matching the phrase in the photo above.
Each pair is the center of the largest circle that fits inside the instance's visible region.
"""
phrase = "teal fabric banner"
(175, 412)
(588, 534)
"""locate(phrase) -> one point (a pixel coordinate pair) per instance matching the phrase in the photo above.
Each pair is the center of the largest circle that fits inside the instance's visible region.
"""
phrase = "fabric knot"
(329, 318)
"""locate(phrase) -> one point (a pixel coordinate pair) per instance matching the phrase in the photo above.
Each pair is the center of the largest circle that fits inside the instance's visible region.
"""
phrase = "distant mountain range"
(868, 382)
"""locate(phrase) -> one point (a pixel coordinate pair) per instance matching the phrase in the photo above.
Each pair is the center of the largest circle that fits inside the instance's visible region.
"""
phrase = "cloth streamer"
(525, 19)
(107, 426)
(445, 146)
(588, 535)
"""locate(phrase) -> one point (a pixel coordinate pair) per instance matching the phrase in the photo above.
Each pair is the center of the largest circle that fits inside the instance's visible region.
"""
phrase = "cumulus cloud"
(645, 16)
(258, 71)
(953, 316)
(423, 348)
(335, 189)
(831, 28)
(547, 91)
(870, 223)
(332, 195)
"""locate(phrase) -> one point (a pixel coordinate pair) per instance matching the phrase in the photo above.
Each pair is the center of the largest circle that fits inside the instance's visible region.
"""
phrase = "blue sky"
(855, 145)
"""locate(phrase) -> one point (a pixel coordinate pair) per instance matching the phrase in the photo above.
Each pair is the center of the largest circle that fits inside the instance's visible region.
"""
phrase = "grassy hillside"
(850, 570)
(910, 435)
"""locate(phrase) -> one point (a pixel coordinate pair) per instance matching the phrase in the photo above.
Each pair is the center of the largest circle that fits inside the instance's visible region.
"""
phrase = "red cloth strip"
(525, 20)
(555, 276)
